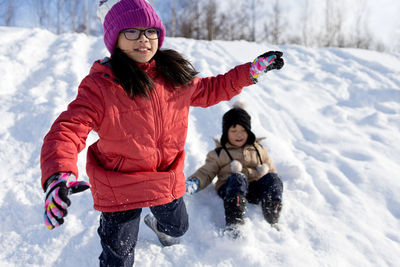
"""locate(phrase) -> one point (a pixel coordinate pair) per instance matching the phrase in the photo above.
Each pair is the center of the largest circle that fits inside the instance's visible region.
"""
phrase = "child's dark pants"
(118, 231)
(236, 192)
(267, 187)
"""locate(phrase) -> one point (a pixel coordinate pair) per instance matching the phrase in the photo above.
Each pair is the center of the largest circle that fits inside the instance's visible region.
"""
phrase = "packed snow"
(331, 118)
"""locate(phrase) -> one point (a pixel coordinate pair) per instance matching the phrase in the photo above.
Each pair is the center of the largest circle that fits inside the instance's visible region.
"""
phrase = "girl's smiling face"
(141, 50)
(237, 135)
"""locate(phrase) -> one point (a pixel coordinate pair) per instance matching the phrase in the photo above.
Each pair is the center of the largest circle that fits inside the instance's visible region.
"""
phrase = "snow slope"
(332, 120)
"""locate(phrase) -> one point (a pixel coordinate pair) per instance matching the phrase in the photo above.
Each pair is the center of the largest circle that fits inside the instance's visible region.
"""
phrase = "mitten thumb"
(77, 186)
(274, 54)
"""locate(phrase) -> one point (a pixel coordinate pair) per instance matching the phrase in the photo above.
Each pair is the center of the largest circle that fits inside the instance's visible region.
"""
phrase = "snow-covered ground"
(332, 121)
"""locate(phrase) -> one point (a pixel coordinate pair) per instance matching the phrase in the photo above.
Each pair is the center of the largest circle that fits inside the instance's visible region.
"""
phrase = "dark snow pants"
(236, 184)
(268, 187)
(118, 231)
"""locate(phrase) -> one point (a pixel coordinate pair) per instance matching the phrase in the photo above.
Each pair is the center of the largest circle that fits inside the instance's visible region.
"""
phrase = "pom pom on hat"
(118, 15)
(239, 104)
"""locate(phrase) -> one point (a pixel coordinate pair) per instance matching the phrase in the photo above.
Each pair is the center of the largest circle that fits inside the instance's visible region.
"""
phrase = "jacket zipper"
(173, 184)
(157, 123)
(119, 164)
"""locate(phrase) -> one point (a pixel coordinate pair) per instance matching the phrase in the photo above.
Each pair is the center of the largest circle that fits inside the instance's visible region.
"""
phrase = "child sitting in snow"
(244, 170)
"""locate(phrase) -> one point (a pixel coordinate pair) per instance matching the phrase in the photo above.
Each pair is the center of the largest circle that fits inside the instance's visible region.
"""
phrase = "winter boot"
(235, 209)
(165, 240)
(271, 210)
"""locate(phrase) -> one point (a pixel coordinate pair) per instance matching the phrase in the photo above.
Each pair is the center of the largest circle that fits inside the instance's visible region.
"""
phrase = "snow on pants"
(236, 184)
(268, 187)
(118, 231)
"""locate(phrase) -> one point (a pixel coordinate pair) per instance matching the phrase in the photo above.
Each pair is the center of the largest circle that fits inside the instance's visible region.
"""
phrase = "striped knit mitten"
(264, 63)
(59, 186)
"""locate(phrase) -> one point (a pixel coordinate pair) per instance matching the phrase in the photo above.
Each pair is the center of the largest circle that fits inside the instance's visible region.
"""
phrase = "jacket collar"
(103, 67)
(148, 66)
(228, 145)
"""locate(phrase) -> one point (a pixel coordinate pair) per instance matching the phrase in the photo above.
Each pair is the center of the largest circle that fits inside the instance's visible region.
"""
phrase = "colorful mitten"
(192, 185)
(264, 63)
(59, 186)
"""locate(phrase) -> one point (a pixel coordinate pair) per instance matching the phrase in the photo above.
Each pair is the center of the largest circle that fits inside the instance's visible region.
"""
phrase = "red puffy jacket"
(138, 160)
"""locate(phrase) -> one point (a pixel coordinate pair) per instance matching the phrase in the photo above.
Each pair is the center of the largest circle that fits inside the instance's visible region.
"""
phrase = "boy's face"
(237, 135)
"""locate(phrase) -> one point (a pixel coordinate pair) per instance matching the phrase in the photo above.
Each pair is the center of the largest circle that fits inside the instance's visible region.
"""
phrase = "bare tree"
(87, 17)
(59, 16)
(42, 13)
(253, 12)
(173, 18)
(232, 26)
(274, 27)
(333, 25)
(210, 19)
(73, 12)
(8, 12)
(277, 23)
(361, 36)
(190, 20)
(172, 10)
(306, 33)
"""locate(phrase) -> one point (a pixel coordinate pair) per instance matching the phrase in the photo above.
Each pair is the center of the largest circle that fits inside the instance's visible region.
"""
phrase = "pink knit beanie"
(117, 15)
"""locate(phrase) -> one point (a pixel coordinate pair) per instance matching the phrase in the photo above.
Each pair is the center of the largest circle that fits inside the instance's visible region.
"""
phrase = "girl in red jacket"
(138, 102)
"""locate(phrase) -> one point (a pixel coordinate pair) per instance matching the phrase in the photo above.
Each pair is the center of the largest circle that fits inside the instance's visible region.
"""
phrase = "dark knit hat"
(237, 115)
(118, 15)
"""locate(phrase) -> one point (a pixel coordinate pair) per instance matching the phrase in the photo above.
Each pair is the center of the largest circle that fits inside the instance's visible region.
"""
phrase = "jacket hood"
(103, 67)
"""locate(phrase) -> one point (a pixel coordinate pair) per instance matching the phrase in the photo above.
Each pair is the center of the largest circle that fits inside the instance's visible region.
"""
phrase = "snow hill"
(332, 120)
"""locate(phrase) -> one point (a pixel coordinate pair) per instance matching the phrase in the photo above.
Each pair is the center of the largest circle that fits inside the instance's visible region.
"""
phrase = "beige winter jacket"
(218, 164)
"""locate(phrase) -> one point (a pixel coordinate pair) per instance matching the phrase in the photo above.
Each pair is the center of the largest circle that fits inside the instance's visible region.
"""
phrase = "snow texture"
(332, 121)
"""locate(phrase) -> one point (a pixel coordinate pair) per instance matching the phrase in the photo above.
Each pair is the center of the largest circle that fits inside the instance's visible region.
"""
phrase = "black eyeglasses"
(135, 34)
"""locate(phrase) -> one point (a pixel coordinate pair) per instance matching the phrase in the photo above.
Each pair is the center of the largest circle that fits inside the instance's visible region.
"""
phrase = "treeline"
(313, 23)
(325, 24)
(58, 16)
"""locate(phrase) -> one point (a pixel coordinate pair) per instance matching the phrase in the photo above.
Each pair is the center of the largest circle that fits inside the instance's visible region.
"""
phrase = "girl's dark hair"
(171, 65)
